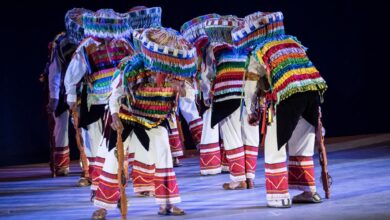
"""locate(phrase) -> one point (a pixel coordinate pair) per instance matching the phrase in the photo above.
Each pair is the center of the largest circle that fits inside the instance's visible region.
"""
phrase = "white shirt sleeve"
(117, 91)
(251, 87)
(75, 72)
(54, 79)
(207, 74)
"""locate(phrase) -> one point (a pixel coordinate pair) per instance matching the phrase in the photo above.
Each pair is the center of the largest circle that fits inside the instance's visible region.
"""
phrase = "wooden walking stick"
(121, 176)
(80, 146)
(325, 177)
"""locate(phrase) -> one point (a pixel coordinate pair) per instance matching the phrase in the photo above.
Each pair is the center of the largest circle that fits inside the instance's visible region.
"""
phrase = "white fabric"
(117, 91)
(209, 134)
(208, 73)
(75, 72)
(92, 138)
(237, 133)
(188, 109)
(301, 142)
(60, 132)
(251, 87)
(54, 79)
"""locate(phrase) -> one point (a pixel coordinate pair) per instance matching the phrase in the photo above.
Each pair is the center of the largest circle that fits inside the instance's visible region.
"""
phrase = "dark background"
(346, 41)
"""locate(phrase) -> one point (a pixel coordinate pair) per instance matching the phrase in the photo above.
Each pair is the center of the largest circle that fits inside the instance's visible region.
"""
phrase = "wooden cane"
(121, 176)
(325, 177)
(80, 146)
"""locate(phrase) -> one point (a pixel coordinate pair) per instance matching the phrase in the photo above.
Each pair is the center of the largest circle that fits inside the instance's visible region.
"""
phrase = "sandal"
(304, 198)
(84, 182)
(176, 162)
(99, 214)
(229, 186)
(145, 194)
(279, 203)
(172, 210)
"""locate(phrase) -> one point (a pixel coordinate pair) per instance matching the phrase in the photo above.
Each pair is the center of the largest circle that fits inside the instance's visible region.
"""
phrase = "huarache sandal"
(307, 197)
(99, 214)
(172, 210)
(279, 203)
(235, 185)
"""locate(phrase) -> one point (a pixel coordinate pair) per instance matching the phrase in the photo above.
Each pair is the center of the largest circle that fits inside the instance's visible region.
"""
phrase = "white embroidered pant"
(300, 172)
(241, 142)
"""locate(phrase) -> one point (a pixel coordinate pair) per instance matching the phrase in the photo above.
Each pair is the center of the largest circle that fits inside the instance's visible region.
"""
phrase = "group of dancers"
(125, 77)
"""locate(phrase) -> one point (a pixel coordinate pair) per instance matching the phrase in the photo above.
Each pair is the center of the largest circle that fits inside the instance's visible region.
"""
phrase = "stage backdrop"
(344, 38)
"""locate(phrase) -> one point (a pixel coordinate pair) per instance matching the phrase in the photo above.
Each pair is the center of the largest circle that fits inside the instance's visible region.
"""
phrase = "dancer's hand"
(116, 124)
(254, 119)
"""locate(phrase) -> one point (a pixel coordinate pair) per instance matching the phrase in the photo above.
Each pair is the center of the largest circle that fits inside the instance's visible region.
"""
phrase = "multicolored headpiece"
(106, 23)
(257, 27)
(137, 39)
(74, 24)
(219, 30)
(193, 31)
(150, 103)
(143, 17)
(166, 51)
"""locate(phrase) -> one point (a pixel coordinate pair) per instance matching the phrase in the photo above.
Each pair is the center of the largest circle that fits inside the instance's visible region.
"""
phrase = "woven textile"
(142, 17)
(289, 70)
(256, 28)
(106, 23)
(166, 51)
(74, 24)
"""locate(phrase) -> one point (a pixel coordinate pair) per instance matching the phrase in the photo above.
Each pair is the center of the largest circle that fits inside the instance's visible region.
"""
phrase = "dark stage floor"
(361, 190)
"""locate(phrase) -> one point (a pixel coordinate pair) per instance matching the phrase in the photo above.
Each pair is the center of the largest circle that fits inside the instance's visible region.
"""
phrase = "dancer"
(144, 92)
(296, 90)
(93, 65)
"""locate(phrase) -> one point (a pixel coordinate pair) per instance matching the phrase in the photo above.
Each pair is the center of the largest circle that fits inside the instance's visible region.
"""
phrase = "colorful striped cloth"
(193, 31)
(166, 51)
(74, 24)
(137, 39)
(289, 69)
(103, 59)
(258, 26)
(230, 68)
(219, 29)
(106, 23)
(151, 105)
(143, 17)
(147, 104)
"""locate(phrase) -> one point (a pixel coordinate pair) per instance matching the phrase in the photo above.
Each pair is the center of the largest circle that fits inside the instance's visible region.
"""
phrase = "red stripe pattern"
(210, 158)
(276, 178)
(224, 160)
(301, 172)
(96, 171)
(175, 143)
(250, 160)
(143, 176)
(107, 194)
(167, 190)
(236, 159)
(196, 127)
(61, 157)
